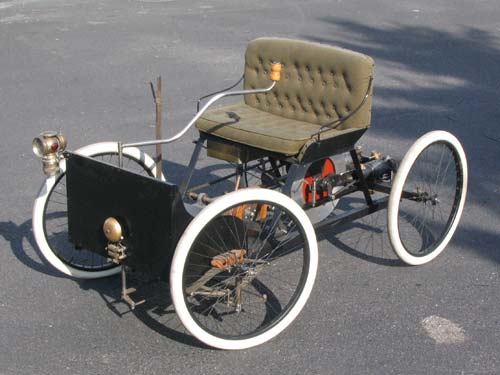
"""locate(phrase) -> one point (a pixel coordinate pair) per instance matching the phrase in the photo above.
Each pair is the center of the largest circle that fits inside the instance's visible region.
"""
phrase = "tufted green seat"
(319, 85)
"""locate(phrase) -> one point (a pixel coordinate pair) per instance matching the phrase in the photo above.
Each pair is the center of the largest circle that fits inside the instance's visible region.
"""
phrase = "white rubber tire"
(48, 185)
(190, 234)
(397, 188)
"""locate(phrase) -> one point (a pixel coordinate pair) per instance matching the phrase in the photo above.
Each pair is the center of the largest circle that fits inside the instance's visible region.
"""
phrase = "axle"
(374, 169)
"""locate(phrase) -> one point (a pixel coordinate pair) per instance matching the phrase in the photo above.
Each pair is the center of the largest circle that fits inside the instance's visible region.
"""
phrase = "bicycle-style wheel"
(427, 197)
(244, 268)
(50, 216)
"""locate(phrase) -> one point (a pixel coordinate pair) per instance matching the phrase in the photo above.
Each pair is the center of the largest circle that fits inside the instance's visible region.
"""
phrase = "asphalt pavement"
(83, 67)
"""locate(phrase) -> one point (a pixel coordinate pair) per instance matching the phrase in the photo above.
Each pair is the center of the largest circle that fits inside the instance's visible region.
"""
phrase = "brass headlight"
(48, 146)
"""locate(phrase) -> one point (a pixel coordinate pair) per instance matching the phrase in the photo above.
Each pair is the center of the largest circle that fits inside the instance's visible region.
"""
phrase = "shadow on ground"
(440, 80)
(435, 79)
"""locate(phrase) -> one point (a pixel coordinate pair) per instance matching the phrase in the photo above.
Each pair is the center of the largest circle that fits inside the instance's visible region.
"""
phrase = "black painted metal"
(361, 178)
(351, 215)
(331, 146)
(151, 212)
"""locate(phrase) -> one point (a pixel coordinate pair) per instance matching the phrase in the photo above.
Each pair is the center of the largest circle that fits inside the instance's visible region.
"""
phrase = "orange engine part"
(321, 168)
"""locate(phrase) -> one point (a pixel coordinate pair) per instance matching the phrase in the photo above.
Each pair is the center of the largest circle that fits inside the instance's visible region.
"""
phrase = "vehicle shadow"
(23, 246)
(365, 238)
(430, 78)
(157, 311)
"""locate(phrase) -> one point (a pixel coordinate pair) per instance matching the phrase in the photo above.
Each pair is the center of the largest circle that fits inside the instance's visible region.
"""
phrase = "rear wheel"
(244, 268)
(50, 216)
(427, 197)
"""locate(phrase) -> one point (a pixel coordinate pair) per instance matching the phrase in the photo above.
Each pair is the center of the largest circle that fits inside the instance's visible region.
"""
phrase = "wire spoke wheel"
(427, 197)
(50, 216)
(246, 269)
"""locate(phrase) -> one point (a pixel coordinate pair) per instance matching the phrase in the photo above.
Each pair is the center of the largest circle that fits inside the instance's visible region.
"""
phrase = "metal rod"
(229, 176)
(335, 124)
(198, 115)
(361, 178)
(382, 188)
(192, 163)
(296, 242)
(351, 215)
(124, 280)
(218, 92)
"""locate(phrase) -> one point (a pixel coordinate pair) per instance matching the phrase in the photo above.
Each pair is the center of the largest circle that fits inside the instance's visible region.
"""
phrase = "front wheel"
(427, 197)
(244, 268)
(50, 216)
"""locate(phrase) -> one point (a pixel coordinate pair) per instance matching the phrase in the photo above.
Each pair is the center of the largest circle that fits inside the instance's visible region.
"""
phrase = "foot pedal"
(126, 292)
(126, 297)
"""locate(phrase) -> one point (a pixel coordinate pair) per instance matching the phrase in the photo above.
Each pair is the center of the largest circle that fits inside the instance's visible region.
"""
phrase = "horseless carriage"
(242, 265)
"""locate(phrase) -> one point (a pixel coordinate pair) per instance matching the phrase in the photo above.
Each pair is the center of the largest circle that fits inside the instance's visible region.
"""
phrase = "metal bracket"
(117, 252)
(126, 292)
(361, 178)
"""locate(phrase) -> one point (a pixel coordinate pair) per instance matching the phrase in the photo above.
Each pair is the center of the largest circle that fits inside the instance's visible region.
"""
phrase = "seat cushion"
(319, 83)
(250, 126)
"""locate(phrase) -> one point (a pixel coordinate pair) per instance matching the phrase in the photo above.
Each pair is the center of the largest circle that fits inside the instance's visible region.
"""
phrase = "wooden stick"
(158, 106)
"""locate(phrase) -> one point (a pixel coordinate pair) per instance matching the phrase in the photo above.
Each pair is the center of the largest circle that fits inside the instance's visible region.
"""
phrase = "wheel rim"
(435, 183)
(55, 220)
(251, 296)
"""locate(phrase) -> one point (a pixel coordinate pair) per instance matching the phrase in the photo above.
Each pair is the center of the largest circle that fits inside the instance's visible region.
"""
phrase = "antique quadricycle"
(241, 263)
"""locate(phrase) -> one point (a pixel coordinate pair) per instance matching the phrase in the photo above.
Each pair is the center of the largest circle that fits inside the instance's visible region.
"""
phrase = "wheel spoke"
(251, 295)
(423, 224)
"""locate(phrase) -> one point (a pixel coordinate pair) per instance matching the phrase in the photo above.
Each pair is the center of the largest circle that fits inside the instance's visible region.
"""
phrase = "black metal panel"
(316, 151)
(151, 212)
(246, 153)
(332, 146)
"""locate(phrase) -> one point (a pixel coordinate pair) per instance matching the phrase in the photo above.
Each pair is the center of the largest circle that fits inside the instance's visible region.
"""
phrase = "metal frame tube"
(198, 115)
(192, 164)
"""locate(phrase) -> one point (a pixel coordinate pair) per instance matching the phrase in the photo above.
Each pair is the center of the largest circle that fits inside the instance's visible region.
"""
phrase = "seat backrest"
(319, 83)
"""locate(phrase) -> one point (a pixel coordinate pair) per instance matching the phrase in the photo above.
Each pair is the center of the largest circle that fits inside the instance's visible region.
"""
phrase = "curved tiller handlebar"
(274, 76)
